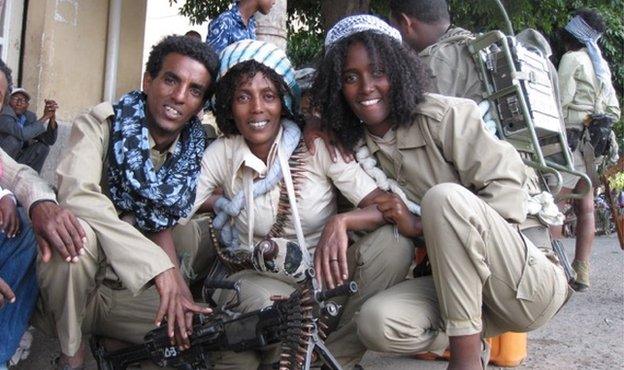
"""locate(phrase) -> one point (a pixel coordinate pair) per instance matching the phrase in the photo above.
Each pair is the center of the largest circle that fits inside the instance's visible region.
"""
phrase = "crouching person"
(487, 277)
(261, 153)
(128, 175)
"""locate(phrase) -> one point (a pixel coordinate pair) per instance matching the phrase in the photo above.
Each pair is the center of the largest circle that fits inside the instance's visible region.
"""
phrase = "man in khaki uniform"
(487, 276)
(586, 89)
(107, 289)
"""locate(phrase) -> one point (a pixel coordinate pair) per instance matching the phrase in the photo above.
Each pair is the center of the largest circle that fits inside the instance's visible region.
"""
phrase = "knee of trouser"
(11, 145)
(441, 196)
(386, 245)
(90, 246)
(372, 325)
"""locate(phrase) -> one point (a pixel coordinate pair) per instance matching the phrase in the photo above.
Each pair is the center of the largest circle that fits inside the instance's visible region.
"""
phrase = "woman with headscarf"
(487, 277)
(275, 188)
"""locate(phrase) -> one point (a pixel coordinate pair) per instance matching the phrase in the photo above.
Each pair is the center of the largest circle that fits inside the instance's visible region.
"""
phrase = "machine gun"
(293, 321)
(518, 85)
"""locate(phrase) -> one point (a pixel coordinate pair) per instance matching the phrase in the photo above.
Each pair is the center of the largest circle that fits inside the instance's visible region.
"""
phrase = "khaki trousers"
(87, 298)
(376, 262)
(487, 278)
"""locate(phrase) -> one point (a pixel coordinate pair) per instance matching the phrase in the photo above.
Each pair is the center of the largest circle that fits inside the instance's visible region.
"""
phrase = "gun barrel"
(343, 290)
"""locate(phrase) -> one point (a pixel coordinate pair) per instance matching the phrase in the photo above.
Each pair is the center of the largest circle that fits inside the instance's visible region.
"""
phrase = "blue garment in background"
(21, 119)
(228, 28)
(17, 269)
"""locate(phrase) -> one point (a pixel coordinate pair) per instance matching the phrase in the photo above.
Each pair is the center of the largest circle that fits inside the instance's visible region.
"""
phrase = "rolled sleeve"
(350, 179)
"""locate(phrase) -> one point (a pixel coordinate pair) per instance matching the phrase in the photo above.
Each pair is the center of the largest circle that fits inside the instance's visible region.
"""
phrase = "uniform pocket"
(527, 284)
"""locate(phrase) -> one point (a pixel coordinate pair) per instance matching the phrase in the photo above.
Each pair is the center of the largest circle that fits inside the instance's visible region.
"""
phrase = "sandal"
(581, 282)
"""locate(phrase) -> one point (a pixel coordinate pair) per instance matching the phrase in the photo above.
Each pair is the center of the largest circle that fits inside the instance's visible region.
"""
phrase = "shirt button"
(531, 261)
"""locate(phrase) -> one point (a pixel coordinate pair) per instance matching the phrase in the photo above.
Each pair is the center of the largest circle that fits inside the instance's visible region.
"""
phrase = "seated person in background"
(237, 23)
(22, 136)
(256, 105)
(487, 277)
(130, 172)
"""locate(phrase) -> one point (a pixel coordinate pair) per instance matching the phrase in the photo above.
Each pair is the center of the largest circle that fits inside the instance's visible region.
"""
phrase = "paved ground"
(587, 334)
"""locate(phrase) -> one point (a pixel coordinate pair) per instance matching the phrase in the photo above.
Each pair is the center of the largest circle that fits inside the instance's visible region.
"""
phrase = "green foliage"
(197, 11)
(616, 182)
(304, 47)
(547, 16)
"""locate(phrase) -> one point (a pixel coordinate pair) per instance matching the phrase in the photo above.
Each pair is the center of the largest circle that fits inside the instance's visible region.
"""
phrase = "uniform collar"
(243, 157)
(170, 150)
(452, 35)
(411, 136)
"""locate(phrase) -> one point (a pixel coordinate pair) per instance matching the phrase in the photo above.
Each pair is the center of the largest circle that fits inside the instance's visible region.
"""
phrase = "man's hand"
(175, 304)
(395, 211)
(57, 228)
(6, 293)
(313, 129)
(50, 108)
(9, 221)
(330, 257)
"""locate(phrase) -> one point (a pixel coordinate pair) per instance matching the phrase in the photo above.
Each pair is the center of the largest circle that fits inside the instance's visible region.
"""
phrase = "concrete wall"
(131, 46)
(65, 52)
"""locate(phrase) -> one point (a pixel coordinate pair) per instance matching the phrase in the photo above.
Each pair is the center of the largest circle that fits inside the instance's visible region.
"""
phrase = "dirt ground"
(588, 333)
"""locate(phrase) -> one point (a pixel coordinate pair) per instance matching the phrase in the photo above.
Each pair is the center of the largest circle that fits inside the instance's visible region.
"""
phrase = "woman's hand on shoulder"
(314, 130)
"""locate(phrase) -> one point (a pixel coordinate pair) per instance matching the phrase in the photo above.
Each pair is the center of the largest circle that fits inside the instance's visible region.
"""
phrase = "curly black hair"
(592, 18)
(406, 73)
(7, 74)
(187, 46)
(237, 76)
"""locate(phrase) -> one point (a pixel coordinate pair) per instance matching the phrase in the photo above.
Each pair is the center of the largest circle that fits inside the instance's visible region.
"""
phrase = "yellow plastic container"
(508, 349)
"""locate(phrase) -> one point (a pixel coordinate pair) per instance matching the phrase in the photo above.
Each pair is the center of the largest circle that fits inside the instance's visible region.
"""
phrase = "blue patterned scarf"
(157, 199)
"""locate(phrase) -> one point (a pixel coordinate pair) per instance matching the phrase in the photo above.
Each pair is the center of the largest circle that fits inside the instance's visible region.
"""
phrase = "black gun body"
(249, 331)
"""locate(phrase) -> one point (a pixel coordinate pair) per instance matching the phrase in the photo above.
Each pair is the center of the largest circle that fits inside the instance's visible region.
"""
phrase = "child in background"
(237, 23)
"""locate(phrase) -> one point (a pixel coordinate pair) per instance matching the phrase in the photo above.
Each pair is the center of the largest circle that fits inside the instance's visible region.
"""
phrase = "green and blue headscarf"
(268, 55)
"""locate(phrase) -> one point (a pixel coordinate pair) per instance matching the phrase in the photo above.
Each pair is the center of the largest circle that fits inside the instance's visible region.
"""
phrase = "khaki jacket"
(581, 91)
(135, 259)
(447, 143)
(450, 63)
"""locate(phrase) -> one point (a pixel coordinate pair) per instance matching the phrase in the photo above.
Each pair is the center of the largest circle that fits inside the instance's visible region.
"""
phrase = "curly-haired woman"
(486, 276)
(255, 104)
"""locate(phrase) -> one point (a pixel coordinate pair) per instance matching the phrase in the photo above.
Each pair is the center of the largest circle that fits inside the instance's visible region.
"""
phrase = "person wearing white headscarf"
(253, 208)
(487, 277)
(586, 89)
